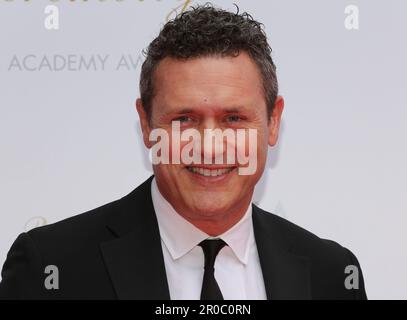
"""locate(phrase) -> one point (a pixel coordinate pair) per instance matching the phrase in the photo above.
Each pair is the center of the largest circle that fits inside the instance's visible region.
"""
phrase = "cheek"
(262, 144)
(174, 147)
(262, 149)
(254, 143)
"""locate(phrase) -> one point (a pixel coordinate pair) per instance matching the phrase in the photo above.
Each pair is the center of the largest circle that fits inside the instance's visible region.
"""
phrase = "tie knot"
(211, 249)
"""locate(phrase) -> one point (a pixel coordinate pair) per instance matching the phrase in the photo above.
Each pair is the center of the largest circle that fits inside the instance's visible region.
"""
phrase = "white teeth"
(209, 172)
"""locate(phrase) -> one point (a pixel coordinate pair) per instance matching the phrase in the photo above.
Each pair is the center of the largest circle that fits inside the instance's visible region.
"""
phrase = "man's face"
(209, 93)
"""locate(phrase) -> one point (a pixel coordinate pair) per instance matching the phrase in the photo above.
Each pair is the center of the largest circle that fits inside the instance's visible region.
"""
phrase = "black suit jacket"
(114, 251)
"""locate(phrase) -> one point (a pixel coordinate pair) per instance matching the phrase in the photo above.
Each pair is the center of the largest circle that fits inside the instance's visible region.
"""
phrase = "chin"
(210, 207)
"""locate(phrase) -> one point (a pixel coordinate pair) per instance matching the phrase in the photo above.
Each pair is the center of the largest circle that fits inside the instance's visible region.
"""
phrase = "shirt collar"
(180, 236)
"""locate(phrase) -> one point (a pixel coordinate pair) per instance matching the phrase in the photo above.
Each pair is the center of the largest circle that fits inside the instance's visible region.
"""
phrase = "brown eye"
(233, 118)
(183, 119)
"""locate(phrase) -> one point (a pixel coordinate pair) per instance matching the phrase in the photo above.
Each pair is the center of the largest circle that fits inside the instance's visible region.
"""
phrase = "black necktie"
(210, 288)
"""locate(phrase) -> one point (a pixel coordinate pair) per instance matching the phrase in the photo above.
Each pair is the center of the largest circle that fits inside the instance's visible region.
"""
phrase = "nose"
(214, 146)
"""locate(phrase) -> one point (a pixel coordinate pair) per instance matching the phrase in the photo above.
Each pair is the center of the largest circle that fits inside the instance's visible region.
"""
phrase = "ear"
(144, 122)
(275, 120)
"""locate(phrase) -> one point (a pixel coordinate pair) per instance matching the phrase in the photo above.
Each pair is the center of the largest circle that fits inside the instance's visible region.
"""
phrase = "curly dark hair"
(208, 31)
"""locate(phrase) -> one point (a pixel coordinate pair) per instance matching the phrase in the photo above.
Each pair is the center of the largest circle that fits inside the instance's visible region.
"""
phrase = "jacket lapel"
(286, 275)
(134, 258)
(136, 266)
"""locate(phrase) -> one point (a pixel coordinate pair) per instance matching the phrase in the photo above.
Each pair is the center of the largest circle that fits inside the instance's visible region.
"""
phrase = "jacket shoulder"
(93, 223)
(300, 240)
(329, 261)
(78, 226)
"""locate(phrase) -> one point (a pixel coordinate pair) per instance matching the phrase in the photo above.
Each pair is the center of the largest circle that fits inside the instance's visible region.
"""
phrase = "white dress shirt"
(237, 266)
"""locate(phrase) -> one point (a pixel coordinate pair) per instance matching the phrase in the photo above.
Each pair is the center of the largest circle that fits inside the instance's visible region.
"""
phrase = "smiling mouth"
(206, 172)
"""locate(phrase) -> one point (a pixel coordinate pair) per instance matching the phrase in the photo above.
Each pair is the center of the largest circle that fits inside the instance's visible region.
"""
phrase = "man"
(191, 230)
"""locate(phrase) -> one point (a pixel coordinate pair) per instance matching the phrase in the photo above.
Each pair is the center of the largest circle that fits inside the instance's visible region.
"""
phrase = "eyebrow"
(185, 110)
(234, 109)
(226, 110)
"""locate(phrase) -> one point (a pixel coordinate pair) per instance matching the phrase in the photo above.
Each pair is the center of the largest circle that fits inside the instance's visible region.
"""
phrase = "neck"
(217, 224)
(212, 228)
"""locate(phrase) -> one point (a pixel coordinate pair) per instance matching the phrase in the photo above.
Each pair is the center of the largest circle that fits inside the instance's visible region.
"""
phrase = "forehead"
(210, 81)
